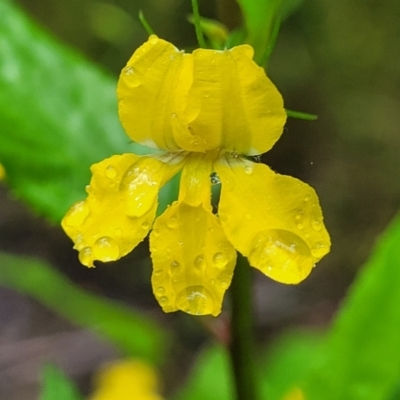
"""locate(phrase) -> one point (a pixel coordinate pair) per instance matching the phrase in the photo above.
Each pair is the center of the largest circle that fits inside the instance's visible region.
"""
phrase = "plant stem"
(242, 340)
(197, 24)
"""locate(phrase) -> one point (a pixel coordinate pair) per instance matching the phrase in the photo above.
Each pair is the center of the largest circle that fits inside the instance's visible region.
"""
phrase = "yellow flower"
(208, 111)
(126, 380)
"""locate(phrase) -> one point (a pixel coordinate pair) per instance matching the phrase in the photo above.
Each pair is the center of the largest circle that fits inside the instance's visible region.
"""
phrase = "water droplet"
(318, 250)
(316, 224)
(306, 235)
(234, 155)
(247, 217)
(106, 249)
(139, 191)
(307, 197)
(172, 222)
(300, 226)
(175, 266)
(214, 179)
(129, 70)
(156, 232)
(223, 284)
(299, 215)
(199, 262)
(157, 272)
(220, 259)
(286, 253)
(86, 256)
(206, 94)
(210, 229)
(111, 172)
(77, 214)
(248, 169)
(160, 290)
(195, 300)
(118, 232)
(163, 300)
(145, 225)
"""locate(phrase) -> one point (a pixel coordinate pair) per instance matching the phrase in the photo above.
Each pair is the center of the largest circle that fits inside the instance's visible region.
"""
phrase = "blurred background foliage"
(335, 59)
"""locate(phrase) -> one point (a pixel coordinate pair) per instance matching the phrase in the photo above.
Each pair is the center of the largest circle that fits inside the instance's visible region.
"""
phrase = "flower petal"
(240, 108)
(272, 219)
(193, 261)
(151, 92)
(120, 208)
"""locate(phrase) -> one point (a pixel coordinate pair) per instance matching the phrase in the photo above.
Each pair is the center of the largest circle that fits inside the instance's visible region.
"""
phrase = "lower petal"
(272, 219)
(193, 261)
(120, 208)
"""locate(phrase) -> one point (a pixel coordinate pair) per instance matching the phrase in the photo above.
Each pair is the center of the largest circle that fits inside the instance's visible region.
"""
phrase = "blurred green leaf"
(210, 378)
(56, 386)
(362, 353)
(58, 115)
(131, 332)
(288, 361)
(262, 20)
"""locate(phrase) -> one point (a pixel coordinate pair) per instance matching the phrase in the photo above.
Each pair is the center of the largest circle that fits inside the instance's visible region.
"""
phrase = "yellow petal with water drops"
(152, 91)
(120, 208)
(274, 220)
(193, 261)
(240, 108)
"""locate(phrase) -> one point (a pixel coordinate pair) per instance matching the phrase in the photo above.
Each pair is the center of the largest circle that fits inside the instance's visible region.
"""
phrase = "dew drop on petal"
(307, 197)
(199, 262)
(300, 226)
(160, 290)
(157, 272)
(248, 169)
(281, 255)
(163, 300)
(145, 225)
(77, 214)
(172, 222)
(214, 179)
(195, 300)
(318, 250)
(106, 249)
(247, 217)
(316, 224)
(175, 266)
(156, 232)
(86, 256)
(111, 172)
(220, 260)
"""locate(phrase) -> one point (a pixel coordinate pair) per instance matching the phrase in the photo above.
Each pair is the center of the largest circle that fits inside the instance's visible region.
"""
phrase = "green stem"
(301, 115)
(197, 24)
(145, 24)
(242, 340)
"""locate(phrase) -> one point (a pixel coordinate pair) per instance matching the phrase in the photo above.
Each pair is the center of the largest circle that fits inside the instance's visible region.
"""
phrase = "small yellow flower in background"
(295, 394)
(207, 111)
(126, 380)
(2, 172)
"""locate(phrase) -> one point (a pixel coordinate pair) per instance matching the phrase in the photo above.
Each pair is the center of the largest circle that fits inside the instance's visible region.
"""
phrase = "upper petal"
(272, 219)
(152, 91)
(235, 105)
(120, 208)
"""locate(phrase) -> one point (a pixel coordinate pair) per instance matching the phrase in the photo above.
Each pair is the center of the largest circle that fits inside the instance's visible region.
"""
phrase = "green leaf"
(262, 19)
(362, 352)
(127, 329)
(58, 115)
(210, 378)
(56, 386)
